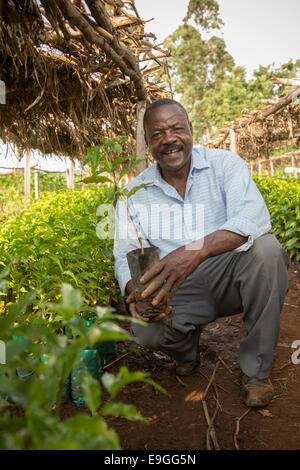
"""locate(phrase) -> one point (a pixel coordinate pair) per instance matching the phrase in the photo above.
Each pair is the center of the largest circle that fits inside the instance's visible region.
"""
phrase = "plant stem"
(136, 230)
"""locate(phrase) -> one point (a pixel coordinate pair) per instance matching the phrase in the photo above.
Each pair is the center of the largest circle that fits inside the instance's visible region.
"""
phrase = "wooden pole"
(72, 175)
(294, 170)
(233, 141)
(140, 137)
(27, 176)
(271, 168)
(36, 184)
(67, 178)
(259, 169)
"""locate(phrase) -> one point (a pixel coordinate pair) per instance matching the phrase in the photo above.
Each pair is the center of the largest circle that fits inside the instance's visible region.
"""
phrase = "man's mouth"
(171, 151)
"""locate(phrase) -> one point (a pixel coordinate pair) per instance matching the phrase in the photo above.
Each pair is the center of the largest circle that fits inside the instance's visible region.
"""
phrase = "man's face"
(169, 136)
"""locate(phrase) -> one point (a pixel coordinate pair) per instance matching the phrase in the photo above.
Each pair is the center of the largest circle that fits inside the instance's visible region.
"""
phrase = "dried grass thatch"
(266, 129)
(74, 72)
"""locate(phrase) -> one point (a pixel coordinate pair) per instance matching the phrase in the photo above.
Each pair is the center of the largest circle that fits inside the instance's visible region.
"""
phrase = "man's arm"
(174, 268)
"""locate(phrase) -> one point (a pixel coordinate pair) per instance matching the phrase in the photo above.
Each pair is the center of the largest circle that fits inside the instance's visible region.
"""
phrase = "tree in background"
(211, 87)
(197, 60)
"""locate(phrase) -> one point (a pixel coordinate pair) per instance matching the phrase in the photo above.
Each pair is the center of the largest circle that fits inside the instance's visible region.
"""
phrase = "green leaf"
(15, 310)
(72, 275)
(122, 409)
(71, 302)
(130, 166)
(292, 242)
(114, 383)
(91, 392)
(97, 179)
(134, 190)
(92, 157)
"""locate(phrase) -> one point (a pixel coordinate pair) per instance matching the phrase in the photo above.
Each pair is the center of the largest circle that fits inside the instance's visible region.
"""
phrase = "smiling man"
(220, 264)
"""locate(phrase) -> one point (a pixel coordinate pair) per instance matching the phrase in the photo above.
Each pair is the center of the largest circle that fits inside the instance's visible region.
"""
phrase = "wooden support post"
(294, 169)
(67, 178)
(233, 141)
(271, 168)
(27, 176)
(259, 169)
(72, 175)
(36, 184)
(140, 138)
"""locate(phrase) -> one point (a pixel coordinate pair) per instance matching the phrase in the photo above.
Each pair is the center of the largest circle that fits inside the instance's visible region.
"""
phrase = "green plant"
(28, 419)
(108, 158)
(103, 159)
(55, 241)
(282, 196)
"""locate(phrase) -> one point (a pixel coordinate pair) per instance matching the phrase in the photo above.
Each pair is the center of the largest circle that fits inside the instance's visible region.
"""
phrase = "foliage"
(196, 63)
(212, 88)
(285, 150)
(108, 158)
(103, 159)
(55, 241)
(282, 197)
(40, 396)
(12, 200)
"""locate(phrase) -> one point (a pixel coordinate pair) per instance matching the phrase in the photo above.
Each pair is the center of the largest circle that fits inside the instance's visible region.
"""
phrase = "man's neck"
(177, 178)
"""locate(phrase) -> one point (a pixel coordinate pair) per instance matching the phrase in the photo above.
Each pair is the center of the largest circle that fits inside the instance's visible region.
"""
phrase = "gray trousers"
(254, 282)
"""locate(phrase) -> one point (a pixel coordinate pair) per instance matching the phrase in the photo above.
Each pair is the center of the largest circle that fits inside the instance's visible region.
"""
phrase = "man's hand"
(135, 314)
(173, 269)
(143, 309)
(169, 273)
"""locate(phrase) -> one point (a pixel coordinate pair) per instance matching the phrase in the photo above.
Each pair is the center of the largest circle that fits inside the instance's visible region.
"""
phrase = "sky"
(256, 31)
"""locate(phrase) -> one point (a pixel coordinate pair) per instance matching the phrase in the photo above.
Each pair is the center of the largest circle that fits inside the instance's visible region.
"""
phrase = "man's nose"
(169, 137)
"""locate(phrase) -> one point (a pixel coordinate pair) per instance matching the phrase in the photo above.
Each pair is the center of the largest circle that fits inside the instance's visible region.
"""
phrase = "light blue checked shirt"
(220, 195)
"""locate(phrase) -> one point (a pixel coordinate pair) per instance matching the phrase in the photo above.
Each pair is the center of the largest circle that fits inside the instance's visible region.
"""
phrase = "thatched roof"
(74, 72)
(272, 126)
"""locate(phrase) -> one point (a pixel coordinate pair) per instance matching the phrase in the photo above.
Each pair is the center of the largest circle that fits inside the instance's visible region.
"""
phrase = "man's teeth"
(172, 151)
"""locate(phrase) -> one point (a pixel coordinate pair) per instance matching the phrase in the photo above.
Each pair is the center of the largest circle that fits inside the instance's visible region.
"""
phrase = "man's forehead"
(166, 112)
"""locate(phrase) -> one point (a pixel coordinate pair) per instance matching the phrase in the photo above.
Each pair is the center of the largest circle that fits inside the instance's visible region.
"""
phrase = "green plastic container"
(91, 358)
(25, 374)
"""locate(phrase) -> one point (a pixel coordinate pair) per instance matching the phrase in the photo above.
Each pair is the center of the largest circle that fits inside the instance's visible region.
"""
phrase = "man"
(223, 262)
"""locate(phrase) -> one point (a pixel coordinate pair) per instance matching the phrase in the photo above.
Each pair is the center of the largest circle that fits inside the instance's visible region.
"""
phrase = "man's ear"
(191, 127)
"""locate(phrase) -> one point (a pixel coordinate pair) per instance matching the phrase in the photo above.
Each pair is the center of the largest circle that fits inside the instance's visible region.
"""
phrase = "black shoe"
(187, 368)
(256, 392)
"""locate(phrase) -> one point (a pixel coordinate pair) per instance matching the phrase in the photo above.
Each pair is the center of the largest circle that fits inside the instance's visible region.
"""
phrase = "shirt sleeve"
(247, 213)
(125, 240)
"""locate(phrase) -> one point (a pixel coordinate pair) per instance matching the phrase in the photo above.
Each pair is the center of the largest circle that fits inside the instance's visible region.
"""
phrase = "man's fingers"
(173, 291)
(135, 314)
(131, 298)
(156, 269)
(162, 315)
(153, 287)
(164, 292)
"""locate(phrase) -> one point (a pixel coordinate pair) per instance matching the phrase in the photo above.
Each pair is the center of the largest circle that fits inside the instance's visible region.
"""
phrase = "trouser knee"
(267, 250)
(147, 336)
